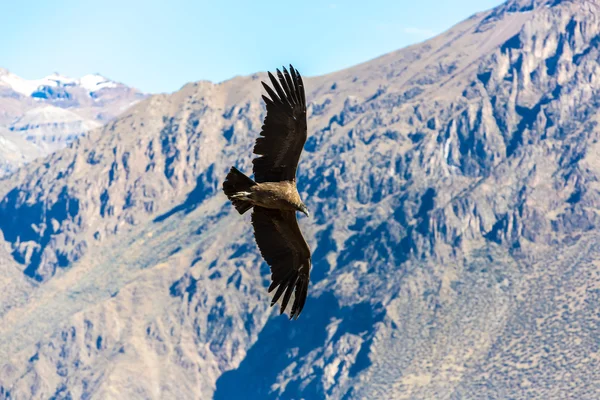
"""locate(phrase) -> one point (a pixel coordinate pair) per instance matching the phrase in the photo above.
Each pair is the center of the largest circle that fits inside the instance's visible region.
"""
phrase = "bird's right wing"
(283, 247)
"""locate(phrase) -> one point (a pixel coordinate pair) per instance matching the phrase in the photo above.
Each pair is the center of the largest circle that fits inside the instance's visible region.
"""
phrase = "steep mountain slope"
(15, 151)
(52, 111)
(51, 128)
(454, 188)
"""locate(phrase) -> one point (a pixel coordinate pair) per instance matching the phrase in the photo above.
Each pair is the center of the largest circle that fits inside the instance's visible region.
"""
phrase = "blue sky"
(158, 46)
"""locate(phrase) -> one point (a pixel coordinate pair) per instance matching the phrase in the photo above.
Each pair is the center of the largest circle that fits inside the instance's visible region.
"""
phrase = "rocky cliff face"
(454, 188)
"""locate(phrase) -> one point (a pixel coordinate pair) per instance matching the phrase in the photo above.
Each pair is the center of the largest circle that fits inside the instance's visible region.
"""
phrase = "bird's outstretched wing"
(283, 133)
(283, 247)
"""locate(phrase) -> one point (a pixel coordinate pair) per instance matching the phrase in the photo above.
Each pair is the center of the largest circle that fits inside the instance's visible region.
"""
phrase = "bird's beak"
(304, 210)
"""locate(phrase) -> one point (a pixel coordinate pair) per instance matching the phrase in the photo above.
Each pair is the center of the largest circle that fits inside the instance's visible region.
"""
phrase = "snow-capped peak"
(95, 82)
(91, 82)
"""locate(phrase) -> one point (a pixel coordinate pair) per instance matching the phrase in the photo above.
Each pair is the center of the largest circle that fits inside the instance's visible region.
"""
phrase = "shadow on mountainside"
(205, 187)
(283, 344)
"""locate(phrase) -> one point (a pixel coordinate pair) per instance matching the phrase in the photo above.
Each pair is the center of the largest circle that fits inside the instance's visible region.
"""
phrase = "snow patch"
(95, 82)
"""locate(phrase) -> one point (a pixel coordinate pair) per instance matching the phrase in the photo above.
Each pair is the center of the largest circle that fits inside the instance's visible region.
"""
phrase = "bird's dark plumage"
(273, 193)
(283, 247)
(284, 131)
(238, 182)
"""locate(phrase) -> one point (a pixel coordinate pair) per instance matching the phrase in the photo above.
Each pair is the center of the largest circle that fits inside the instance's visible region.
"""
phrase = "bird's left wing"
(284, 130)
(285, 250)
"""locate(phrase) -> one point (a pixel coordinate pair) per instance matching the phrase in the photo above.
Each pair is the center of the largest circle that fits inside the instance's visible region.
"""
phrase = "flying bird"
(273, 195)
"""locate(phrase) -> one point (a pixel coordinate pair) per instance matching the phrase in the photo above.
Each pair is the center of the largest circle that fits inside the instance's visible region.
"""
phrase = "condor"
(273, 195)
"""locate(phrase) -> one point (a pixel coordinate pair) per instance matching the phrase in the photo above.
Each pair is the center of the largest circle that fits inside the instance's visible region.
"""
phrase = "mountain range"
(455, 196)
(49, 113)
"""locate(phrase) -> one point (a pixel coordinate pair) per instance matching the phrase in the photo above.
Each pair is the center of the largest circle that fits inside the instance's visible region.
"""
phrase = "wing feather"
(275, 99)
(296, 83)
(280, 92)
(300, 297)
(290, 85)
(288, 293)
(279, 292)
(300, 83)
(283, 247)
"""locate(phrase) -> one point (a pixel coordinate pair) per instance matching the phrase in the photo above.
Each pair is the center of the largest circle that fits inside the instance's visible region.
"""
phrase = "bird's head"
(302, 208)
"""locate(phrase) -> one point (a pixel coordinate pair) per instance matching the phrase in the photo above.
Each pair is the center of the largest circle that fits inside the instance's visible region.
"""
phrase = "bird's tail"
(236, 188)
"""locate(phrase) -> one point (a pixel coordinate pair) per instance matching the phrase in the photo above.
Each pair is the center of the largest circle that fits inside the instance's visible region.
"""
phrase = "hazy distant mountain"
(52, 111)
(15, 151)
(51, 127)
(454, 189)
